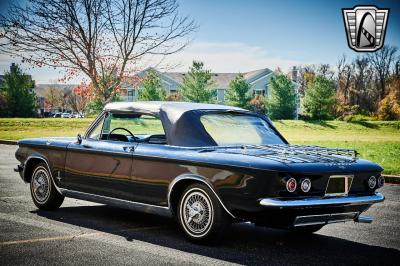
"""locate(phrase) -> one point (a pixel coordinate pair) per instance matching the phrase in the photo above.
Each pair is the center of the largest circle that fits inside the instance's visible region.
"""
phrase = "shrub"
(257, 104)
(389, 107)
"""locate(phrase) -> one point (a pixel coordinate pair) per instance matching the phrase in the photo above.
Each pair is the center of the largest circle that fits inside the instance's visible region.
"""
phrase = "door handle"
(129, 148)
(87, 146)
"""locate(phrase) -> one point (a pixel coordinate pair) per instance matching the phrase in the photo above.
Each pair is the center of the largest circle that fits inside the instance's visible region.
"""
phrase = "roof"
(181, 120)
(156, 107)
(221, 80)
(41, 89)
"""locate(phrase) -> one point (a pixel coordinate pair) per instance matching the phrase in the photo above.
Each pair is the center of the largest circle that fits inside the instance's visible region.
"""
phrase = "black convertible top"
(174, 109)
(181, 120)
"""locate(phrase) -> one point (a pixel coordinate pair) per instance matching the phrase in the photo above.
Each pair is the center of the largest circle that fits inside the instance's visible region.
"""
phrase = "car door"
(100, 166)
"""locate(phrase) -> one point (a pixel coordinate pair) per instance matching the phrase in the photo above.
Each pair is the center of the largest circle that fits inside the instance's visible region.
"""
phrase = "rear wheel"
(201, 215)
(43, 192)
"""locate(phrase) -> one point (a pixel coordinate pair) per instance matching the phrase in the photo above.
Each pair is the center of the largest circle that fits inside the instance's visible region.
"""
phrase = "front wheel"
(44, 193)
(201, 215)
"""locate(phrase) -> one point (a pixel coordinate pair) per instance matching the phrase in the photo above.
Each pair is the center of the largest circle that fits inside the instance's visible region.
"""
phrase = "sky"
(244, 35)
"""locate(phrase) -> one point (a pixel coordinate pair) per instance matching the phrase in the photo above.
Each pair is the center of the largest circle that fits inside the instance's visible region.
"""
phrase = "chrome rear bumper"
(331, 218)
(319, 202)
(325, 218)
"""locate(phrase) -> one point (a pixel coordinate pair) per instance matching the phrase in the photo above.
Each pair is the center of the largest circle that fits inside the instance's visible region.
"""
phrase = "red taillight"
(291, 184)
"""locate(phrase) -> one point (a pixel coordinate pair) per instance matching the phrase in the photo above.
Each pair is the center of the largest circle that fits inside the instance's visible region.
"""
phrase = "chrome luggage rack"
(304, 153)
(288, 153)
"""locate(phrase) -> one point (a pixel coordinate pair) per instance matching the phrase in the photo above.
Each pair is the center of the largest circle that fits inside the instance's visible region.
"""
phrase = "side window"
(137, 124)
(133, 127)
(96, 132)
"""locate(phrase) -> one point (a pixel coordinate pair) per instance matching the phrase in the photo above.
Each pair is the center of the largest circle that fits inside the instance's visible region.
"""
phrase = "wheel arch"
(30, 164)
(178, 185)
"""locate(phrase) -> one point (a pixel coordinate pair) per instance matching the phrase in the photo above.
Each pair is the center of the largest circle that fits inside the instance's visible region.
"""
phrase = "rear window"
(237, 129)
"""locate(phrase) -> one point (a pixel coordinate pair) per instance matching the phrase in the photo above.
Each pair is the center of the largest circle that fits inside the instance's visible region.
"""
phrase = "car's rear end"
(318, 186)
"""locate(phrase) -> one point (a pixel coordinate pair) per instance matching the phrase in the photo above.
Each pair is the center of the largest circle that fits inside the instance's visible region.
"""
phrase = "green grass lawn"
(378, 141)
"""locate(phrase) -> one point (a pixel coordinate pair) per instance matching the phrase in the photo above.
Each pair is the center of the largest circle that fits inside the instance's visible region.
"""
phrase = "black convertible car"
(207, 165)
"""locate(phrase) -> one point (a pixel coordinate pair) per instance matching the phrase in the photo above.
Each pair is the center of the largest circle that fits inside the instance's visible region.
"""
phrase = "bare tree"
(345, 78)
(79, 98)
(396, 69)
(104, 39)
(76, 102)
(382, 61)
(325, 70)
(54, 97)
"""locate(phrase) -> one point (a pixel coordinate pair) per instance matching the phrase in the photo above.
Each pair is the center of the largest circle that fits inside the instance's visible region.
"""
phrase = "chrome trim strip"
(93, 124)
(126, 204)
(196, 178)
(137, 206)
(48, 168)
(316, 201)
(325, 218)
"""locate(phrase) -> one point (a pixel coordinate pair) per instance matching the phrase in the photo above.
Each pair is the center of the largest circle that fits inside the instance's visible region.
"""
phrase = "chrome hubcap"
(197, 212)
(40, 185)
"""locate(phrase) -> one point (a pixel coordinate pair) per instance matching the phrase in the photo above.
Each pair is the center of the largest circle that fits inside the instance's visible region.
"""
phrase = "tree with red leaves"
(103, 39)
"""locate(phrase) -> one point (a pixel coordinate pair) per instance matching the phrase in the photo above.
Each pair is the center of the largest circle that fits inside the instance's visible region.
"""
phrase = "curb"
(392, 179)
(8, 142)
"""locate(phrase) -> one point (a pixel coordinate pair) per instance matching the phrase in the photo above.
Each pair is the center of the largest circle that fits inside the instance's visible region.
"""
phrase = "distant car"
(66, 115)
(205, 164)
(48, 114)
(57, 115)
(77, 115)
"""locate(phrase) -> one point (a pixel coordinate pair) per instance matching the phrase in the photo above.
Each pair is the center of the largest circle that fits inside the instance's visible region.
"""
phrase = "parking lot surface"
(81, 232)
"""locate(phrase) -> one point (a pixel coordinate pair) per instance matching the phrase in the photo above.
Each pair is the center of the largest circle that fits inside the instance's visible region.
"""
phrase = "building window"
(259, 92)
(131, 95)
(220, 95)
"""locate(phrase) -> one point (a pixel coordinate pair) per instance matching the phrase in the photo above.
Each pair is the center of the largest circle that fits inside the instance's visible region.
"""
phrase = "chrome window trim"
(94, 124)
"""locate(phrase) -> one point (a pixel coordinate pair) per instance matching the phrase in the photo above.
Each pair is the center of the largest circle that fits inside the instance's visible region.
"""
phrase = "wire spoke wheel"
(41, 185)
(196, 212)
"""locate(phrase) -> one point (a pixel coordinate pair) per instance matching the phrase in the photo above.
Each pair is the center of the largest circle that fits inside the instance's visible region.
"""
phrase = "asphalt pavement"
(84, 233)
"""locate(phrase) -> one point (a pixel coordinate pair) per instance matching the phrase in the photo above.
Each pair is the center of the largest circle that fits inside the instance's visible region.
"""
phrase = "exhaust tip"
(364, 219)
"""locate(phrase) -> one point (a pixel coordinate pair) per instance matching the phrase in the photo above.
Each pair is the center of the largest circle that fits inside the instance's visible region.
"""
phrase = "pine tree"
(21, 100)
(152, 88)
(197, 85)
(319, 99)
(281, 103)
(238, 92)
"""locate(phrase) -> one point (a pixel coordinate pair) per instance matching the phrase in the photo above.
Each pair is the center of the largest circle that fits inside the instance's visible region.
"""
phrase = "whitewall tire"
(44, 193)
(200, 214)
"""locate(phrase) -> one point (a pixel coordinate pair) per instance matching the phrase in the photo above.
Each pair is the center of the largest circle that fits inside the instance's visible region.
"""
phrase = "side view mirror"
(78, 139)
